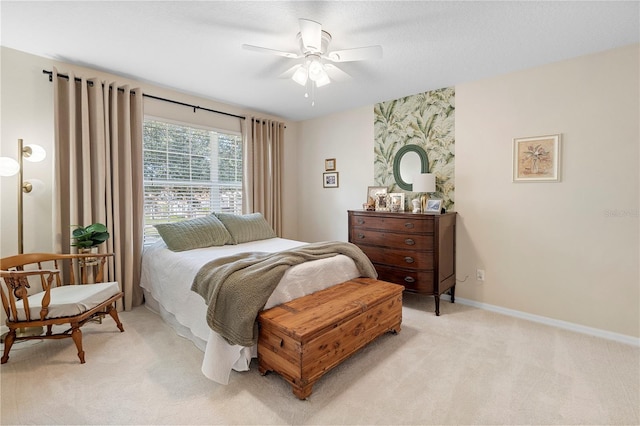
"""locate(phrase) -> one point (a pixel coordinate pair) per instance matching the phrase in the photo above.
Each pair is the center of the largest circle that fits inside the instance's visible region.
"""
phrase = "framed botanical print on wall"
(536, 159)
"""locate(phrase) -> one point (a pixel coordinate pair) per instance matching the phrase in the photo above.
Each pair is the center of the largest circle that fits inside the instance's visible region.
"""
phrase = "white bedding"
(167, 277)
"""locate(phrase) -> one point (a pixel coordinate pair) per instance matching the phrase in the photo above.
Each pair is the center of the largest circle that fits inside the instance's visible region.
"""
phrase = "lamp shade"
(8, 166)
(34, 153)
(323, 79)
(33, 187)
(424, 182)
(300, 76)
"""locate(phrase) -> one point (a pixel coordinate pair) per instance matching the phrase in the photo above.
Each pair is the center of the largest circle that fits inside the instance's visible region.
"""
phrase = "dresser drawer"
(402, 258)
(361, 236)
(412, 280)
(400, 224)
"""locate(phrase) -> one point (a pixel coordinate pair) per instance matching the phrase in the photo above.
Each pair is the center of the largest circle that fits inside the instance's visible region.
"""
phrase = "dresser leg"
(437, 305)
(452, 292)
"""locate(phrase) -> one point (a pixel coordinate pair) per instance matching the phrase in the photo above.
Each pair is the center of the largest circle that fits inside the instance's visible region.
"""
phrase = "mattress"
(167, 277)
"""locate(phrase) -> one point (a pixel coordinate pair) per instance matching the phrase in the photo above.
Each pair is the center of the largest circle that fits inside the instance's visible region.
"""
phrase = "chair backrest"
(46, 270)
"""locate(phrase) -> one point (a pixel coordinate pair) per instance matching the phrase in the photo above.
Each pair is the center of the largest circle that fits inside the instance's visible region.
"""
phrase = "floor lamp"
(9, 167)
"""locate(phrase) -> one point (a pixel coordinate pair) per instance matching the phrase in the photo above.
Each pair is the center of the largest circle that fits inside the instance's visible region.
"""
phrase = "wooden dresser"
(413, 249)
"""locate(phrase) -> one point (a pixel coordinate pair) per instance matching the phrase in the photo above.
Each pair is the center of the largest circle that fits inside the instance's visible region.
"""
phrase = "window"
(188, 172)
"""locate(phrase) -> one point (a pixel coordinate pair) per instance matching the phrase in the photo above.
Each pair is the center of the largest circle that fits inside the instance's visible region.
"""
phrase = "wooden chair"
(53, 300)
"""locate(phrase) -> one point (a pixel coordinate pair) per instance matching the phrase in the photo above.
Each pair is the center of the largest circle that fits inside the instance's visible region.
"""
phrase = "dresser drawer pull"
(409, 259)
(360, 221)
(408, 225)
(360, 235)
(409, 241)
(409, 279)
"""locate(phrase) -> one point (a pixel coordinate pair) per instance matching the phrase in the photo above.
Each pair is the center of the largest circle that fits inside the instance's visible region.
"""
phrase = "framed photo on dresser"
(372, 192)
(433, 206)
(396, 202)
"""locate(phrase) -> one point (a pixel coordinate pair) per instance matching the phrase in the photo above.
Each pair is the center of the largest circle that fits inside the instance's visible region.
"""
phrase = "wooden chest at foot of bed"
(303, 339)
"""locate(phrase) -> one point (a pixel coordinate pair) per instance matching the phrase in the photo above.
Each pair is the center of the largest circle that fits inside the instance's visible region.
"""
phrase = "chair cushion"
(69, 300)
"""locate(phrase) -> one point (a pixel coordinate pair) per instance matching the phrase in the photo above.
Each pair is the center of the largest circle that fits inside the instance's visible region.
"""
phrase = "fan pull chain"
(313, 94)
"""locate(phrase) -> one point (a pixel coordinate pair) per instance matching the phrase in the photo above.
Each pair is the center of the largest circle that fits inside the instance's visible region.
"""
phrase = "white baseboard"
(609, 335)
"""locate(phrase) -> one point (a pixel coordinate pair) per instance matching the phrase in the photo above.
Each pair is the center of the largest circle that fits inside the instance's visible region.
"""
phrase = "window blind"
(188, 172)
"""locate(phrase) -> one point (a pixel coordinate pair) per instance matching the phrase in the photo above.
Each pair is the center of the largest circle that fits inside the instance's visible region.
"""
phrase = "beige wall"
(566, 251)
(27, 113)
(347, 137)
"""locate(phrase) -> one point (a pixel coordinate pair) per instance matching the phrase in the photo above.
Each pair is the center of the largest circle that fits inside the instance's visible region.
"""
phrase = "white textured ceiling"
(195, 47)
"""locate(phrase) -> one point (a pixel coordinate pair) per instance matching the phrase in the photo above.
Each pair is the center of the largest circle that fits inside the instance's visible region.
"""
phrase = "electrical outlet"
(480, 274)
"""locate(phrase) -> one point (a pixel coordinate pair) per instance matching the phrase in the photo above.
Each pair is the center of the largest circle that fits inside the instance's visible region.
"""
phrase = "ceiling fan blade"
(311, 34)
(356, 54)
(336, 73)
(271, 51)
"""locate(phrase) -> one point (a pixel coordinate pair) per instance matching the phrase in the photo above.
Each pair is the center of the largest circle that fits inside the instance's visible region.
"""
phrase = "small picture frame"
(373, 190)
(330, 164)
(433, 206)
(382, 202)
(396, 201)
(330, 180)
(536, 159)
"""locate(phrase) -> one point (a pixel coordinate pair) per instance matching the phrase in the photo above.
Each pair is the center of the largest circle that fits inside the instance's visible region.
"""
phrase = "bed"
(167, 276)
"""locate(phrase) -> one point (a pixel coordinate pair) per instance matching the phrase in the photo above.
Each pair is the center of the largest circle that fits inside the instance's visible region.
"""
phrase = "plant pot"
(88, 261)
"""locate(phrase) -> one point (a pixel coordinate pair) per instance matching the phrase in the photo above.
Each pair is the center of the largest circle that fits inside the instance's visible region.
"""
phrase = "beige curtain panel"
(98, 172)
(263, 157)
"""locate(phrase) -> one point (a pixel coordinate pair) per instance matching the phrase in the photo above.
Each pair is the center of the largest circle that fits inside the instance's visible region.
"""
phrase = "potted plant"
(90, 236)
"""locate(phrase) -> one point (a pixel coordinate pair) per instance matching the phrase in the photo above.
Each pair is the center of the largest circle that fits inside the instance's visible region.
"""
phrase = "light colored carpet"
(467, 366)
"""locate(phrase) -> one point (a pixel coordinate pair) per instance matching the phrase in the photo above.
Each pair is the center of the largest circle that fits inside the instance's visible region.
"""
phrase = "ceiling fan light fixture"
(323, 79)
(316, 70)
(300, 76)
(317, 59)
(317, 73)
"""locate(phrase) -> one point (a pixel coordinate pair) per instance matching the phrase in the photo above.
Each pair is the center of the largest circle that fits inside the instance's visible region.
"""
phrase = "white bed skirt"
(219, 356)
(166, 280)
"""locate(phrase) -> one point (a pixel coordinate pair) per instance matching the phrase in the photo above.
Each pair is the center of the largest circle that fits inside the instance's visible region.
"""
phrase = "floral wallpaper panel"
(427, 120)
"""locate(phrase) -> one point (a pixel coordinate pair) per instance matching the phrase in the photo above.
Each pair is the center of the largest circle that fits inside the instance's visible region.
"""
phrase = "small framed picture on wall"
(330, 164)
(330, 180)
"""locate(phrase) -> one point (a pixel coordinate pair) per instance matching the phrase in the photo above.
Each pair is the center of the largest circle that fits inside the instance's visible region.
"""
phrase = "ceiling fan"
(317, 60)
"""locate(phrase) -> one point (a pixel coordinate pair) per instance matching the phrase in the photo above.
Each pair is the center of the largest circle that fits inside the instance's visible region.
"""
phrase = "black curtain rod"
(195, 107)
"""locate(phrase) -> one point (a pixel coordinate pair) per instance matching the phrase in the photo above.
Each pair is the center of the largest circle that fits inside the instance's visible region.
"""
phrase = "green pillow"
(195, 233)
(248, 227)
